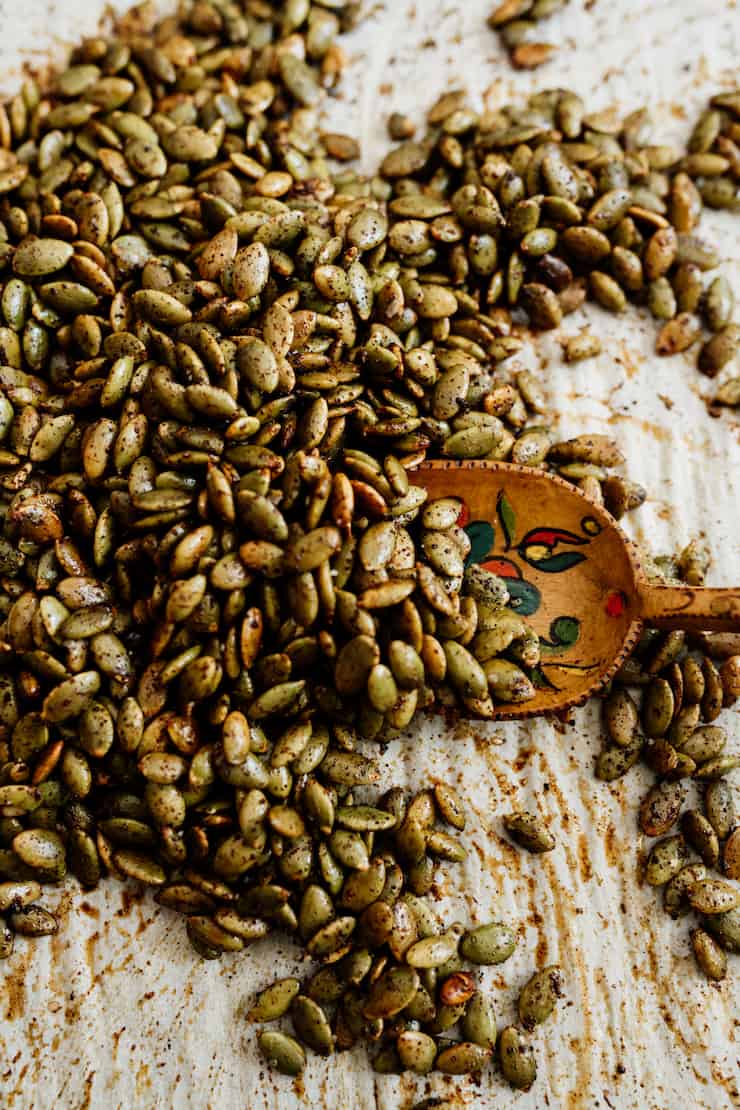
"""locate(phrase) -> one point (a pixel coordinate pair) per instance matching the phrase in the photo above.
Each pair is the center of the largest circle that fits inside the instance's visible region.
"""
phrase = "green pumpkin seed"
(657, 708)
(718, 350)
(449, 805)
(717, 767)
(84, 859)
(42, 850)
(392, 992)
(542, 306)
(660, 808)
(719, 807)
(416, 1051)
(719, 303)
(703, 743)
(667, 858)
(282, 1052)
(362, 888)
(280, 699)
(609, 209)
(40, 257)
(676, 891)
(331, 937)
(432, 951)
(725, 927)
(607, 292)
(677, 334)
(479, 1022)
(731, 855)
(463, 1058)
(16, 895)
(530, 831)
(354, 664)
(620, 717)
(488, 944)
(25, 798)
(381, 688)
(701, 836)
(140, 867)
(516, 1058)
(539, 997)
(507, 682)
(207, 936)
(311, 1025)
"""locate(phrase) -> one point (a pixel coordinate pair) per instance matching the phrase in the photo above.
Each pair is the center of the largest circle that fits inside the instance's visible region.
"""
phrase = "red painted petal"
(504, 568)
(616, 603)
(551, 536)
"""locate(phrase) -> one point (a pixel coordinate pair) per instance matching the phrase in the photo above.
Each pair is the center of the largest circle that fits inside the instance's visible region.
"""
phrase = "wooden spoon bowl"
(571, 572)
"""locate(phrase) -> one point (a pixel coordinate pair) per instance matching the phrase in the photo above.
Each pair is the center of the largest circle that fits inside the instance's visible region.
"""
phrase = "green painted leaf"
(481, 534)
(555, 564)
(507, 516)
(524, 598)
(564, 632)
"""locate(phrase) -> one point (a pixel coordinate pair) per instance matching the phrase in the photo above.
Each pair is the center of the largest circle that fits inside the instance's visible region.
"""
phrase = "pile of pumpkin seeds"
(216, 575)
(548, 204)
(681, 684)
(220, 361)
(392, 974)
(518, 26)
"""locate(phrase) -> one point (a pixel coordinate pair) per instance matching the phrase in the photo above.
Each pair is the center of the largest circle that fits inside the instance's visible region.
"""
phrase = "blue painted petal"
(481, 535)
(525, 598)
(555, 564)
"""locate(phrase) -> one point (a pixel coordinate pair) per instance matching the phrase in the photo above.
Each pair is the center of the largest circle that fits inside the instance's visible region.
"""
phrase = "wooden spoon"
(571, 571)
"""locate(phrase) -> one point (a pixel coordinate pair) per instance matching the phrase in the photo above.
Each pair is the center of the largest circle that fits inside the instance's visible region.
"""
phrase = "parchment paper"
(116, 1012)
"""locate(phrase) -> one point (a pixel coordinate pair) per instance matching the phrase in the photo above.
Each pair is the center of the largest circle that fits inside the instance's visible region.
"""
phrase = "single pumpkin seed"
(282, 1052)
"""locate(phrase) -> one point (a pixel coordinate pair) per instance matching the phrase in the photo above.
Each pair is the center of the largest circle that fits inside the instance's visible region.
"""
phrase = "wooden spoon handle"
(690, 607)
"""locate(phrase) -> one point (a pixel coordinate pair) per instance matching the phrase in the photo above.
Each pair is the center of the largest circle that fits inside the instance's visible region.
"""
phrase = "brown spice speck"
(15, 989)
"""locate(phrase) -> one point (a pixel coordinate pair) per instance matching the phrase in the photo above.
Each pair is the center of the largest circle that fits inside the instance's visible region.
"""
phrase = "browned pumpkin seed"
(33, 921)
(660, 808)
(709, 955)
(530, 831)
(713, 896)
